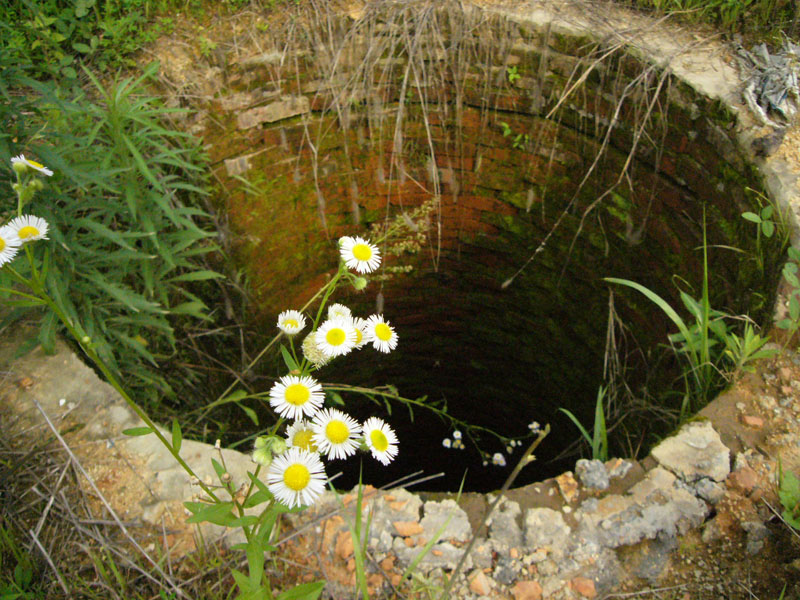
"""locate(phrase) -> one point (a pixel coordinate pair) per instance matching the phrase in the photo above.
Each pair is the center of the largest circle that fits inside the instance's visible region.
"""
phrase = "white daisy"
(291, 321)
(499, 459)
(380, 439)
(357, 253)
(381, 334)
(29, 228)
(9, 244)
(335, 433)
(294, 397)
(32, 164)
(336, 337)
(296, 477)
(299, 434)
(339, 311)
(360, 326)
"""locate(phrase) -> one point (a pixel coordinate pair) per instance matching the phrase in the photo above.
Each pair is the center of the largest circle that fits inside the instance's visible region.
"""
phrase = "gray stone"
(482, 554)
(619, 467)
(506, 570)
(708, 490)
(654, 557)
(756, 534)
(444, 556)
(592, 473)
(503, 527)
(653, 507)
(546, 530)
(173, 483)
(606, 572)
(397, 505)
(287, 106)
(446, 521)
(695, 452)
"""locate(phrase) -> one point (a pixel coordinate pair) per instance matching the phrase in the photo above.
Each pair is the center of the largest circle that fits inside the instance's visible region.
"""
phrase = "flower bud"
(19, 167)
(359, 283)
(262, 456)
(278, 445)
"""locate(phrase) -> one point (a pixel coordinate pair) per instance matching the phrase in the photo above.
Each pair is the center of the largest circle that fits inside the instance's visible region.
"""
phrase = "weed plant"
(126, 239)
(759, 18)
(712, 352)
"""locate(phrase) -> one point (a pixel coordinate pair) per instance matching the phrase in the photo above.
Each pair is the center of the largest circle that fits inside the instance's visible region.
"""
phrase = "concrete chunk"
(287, 106)
(695, 452)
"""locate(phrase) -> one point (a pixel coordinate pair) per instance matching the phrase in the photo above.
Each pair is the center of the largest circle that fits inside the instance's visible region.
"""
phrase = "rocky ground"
(698, 518)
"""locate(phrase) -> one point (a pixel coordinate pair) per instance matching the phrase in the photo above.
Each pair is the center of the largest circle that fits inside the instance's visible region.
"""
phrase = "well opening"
(527, 162)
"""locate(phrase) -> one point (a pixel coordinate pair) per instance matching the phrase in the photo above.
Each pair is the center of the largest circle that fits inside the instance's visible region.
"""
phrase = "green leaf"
(304, 591)
(794, 307)
(664, 306)
(245, 521)
(751, 217)
(82, 48)
(196, 276)
(194, 309)
(257, 498)
(218, 514)
(47, 332)
(287, 358)
(789, 494)
(134, 431)
(767, 228)
(218, 468)
(249, 412)
(234, 396)
(177, 437)
(577, 423)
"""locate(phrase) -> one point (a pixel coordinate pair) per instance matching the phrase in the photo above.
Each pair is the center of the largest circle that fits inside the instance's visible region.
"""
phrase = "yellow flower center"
(335, 337)
(302, 439)
(362, 252)
(383, 332)
(337, 432)
(33, 163)
(296, 477)
(2, 244)
(291, 323)
(359, 335)
(28, 231)
(297, 394)
(379, 441)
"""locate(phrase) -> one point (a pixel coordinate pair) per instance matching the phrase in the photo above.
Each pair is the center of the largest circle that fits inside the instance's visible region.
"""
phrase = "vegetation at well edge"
(136, 186)
(58, 37)
(756, 19)
(711, 350)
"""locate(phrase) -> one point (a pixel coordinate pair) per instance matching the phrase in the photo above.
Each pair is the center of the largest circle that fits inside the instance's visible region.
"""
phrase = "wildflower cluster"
(296, 474)
(23, 228)
(456, 443)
